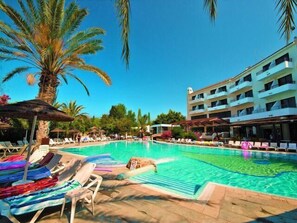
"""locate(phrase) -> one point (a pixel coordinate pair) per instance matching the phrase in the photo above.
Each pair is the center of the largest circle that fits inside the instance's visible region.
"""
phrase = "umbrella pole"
(29, 148)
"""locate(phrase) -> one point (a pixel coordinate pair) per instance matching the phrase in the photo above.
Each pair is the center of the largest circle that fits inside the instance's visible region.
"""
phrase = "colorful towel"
(33, 174)
(40, 199)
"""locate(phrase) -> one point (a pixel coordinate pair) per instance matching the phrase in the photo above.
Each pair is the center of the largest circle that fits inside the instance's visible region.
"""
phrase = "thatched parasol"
(57, 130)
(33, 109)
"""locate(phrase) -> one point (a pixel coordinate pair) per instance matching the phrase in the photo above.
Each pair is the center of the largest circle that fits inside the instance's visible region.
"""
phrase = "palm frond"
(14, 72)
(81, 82)
(97, 71)
(123, 7)
(286, 9)
(15, 17)
(33, 12)
(211, 6)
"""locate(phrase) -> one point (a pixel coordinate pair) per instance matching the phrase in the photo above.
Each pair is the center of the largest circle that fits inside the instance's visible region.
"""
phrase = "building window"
(193, 108)
(213, 91)
(193, 97)
(200, 106)
(198, 117)
(269, 105)
(249, 94)
(225, 114)
(268, 86)
(285, 80)
(201, 95)
(222, 102)
(213, 104)
(222, 89)
(248, 78)
(266, 67)
(282, 59)
(288, 103)
(249, 110)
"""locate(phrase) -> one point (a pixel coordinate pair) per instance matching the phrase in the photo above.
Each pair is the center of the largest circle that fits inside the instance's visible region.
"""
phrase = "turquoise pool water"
(190, 168)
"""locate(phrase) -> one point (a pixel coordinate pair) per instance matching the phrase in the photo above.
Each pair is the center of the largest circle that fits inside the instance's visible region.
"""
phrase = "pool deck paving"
(126, 201)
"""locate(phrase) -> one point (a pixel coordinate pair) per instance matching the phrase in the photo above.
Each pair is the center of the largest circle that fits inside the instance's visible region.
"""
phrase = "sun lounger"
(12, 148)
(50, 197)
(33, 174)
(282, 146)
(292, 146)
(265, 145)
(69, 170)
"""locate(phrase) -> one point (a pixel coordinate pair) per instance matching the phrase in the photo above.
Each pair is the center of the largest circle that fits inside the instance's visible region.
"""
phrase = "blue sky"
(173, 44)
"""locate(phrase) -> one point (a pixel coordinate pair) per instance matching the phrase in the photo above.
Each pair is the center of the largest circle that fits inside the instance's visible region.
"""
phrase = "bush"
(177, 132)
(166, 135)
(190, 135)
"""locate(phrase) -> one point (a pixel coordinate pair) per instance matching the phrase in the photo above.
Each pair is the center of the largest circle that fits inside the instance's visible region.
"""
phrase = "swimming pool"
(190, 168)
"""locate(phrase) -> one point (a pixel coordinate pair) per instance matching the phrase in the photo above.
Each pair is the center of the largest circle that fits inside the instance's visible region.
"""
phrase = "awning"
(270, 120)
(204, 122)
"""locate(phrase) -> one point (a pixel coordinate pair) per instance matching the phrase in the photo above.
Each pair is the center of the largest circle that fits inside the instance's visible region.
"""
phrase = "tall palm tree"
(45, 37)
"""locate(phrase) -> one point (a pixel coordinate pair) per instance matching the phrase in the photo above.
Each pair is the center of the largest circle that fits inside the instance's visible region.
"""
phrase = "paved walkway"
(123, 201)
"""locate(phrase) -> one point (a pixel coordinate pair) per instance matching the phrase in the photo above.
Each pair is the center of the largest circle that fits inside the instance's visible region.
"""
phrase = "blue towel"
(33, 174)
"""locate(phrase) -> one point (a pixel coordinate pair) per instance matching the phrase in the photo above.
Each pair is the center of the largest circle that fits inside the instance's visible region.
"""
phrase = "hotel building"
(258, 102)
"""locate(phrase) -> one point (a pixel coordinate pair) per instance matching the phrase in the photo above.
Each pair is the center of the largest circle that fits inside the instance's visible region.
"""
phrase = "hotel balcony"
(241, 101)
(276, 89)
(217, 95)
(265, 114)
(286, 65)
(192, 112)
(196, 100)
(218, 107)
(243, 85)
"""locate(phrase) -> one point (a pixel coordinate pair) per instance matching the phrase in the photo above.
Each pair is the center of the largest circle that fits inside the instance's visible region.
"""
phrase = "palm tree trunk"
(47, 92)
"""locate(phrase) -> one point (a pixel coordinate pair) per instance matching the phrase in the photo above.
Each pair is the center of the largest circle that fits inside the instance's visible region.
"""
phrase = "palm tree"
(285, 8)
(45, 38)
(74, 109)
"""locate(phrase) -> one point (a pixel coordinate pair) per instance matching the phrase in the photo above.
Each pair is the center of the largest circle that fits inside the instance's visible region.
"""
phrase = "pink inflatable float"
(246, 145)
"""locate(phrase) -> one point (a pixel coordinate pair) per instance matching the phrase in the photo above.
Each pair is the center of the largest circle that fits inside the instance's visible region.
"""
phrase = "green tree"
(169, 118)
(44, 35)
(117, 111)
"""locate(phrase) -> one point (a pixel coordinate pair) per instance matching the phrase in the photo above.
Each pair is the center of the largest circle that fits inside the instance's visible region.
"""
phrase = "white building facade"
(262, 98)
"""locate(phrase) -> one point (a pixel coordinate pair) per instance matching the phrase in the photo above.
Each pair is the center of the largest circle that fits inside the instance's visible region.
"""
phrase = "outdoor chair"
(292, 146)
(50, 197)
(69, 170)
(20, 143)
(12, 147)
(34, 174)
(256, 145)
(282, 146)
(66, 141)
(71, 140)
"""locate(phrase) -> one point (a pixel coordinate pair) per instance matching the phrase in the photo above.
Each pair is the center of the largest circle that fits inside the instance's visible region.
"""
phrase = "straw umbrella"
(57, 130)
(33, 109)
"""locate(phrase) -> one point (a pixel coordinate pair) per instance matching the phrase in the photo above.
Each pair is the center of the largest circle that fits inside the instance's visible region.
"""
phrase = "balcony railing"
(276, 89)
(217, 94)
(197, 99)
(197, 111)
(263, 113)
(241, 101)
(218, 107)
(274, 69)
(240, 86)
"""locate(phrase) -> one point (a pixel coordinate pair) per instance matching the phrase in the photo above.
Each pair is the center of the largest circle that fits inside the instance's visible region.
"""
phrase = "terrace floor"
(124, 201)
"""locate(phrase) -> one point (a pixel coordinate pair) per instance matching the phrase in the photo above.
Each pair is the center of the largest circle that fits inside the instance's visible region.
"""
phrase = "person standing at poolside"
(78, 138)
